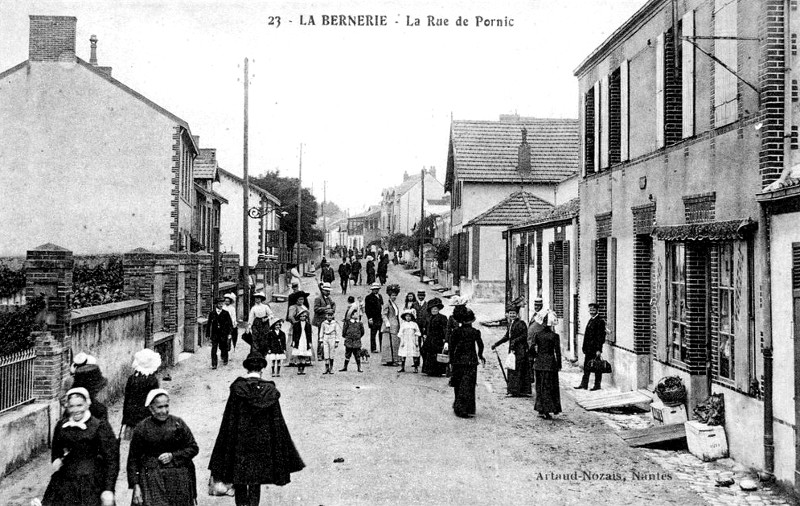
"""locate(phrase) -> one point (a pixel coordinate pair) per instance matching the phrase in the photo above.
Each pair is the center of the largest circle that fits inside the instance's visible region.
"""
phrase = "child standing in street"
(276, 346)
(331, 334)
(353, 332)
(409, 339)
(301, 340)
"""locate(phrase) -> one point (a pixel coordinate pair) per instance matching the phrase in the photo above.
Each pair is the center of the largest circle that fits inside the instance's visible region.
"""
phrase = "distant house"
(264, 235)
(207, 202)
(87, 162)
(488, 162)
(401, 204)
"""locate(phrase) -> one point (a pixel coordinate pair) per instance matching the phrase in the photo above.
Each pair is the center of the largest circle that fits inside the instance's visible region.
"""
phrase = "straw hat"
(260, 294)
(231, 296)
(325, 286)
(375, 286)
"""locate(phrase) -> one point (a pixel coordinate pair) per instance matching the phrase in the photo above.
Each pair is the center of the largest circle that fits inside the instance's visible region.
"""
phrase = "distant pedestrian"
(253, 446)
(593, 339)
(464, 358)
(302, 341)
(434, 339)
(145, 364)
(519, 378)
(453, 322)
(218, 329)
(321, 306)
(353, 331)
(85, 457)
(300, 303)
(409, 335)
(391, 327)
(258, 321)
(230, 307)
(355, 271)
(160, 467)
(328, 275)
(295, 274)
(276, 346)
(383, 268)
(546, 353)
(370, 270)
(422, 312)
(344, 274)
(330, 336)
(373, 306)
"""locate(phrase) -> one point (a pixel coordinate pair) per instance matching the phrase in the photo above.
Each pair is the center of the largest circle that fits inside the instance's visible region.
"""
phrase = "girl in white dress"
(409, 339)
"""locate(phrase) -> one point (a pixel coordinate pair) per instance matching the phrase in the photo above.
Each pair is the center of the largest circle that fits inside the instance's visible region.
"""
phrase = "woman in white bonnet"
(145, 364)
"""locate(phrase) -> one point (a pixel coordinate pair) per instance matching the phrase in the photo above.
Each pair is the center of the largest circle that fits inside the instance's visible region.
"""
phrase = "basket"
(671, 391)
(443, 358)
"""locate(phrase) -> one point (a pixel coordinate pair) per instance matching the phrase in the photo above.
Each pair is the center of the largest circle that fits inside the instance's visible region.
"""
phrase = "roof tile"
(517, 207)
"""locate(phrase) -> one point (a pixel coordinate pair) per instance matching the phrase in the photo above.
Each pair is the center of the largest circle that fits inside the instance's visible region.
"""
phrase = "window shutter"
(688, 75)
(624, 119)
(796, 288)
(551, 269)
(476, 252)
(604, 126)
(611, 312)
(660, 90)
(567, 284)
(597, 106)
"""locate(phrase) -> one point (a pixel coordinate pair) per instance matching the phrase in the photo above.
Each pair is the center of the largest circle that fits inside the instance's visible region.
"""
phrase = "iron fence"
(16, 379)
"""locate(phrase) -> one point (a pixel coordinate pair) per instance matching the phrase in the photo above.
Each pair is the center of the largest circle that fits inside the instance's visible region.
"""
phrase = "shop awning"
(710, 231)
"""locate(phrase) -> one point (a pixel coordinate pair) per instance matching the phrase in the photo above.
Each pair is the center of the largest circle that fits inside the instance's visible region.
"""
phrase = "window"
(725, 83)
(614, 117)
(677, 301)
(588, 132)
(727, 321)
(687, 74)
(601, 275)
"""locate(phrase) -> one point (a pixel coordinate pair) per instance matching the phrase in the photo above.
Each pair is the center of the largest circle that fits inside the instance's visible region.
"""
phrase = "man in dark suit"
(593, 339)
(373, 305)
(219, 327)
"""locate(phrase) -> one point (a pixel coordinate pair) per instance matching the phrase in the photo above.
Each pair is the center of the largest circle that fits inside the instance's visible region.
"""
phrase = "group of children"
(331, 334)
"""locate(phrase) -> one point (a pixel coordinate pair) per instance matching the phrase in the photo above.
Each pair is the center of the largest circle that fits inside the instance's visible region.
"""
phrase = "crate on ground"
(667, 415)
(706, 442)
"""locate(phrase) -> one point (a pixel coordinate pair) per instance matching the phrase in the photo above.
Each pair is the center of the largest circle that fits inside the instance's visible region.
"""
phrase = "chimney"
(405, 175)
(524, 155)
(93, 57)
(52, 38)
(432, 172)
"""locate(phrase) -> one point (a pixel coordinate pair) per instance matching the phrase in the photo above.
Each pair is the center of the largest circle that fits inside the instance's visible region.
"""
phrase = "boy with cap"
(373, 305)
(218, 328)
(330, 335)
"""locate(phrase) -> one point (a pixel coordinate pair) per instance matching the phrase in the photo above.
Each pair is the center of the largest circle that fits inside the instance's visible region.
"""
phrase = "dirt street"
(401, 443)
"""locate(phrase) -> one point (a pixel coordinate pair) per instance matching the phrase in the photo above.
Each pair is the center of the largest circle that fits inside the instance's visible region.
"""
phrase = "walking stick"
(502, 369)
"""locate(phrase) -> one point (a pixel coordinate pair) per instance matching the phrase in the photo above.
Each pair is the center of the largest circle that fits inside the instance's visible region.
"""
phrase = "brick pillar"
(771, 68)
(49, 273)
(137, 268)
(696, 300)
(169, 264)
(190, 325)
(204, 261)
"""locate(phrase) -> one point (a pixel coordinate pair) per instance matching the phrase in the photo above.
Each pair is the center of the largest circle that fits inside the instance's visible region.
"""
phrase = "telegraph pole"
(246, 196)
(299, 200)
(422, 228)
(324, 219)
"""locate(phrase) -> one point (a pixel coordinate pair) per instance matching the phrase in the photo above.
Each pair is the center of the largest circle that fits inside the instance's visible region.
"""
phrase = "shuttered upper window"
(725, 83)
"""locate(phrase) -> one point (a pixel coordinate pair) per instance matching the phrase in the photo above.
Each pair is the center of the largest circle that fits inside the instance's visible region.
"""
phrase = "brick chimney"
(52, 38)
(524, 155)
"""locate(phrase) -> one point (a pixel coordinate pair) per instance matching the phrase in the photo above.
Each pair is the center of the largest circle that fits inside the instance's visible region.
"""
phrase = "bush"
(102, 284)
(11, 281)
(16, 327)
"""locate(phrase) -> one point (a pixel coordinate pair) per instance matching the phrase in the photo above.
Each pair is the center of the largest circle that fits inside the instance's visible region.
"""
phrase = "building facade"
(116, 168)
(675, 145)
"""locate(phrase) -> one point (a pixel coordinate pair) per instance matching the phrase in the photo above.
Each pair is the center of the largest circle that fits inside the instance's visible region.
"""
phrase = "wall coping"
(103, 311)
(160, 337)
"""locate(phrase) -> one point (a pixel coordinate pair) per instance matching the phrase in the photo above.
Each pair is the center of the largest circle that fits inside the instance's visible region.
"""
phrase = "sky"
(367, 103)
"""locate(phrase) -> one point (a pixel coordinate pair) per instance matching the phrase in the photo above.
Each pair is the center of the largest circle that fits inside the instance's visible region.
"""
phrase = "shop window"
(677, 302)
(727, 318)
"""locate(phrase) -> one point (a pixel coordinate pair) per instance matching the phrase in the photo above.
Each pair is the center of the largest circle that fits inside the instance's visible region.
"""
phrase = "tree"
(429, 226)
(285, 189)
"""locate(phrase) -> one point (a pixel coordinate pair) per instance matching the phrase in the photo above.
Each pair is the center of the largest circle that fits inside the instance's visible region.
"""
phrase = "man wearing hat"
(218, 328)
(253, 446)
(230, 307)
(328, 274)
(344, 274)
(373, 304)
(593, 339)
(423, 313)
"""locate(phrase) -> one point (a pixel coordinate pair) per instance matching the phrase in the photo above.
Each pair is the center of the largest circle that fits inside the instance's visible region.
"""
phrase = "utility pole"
(324, 219)
(246, 199)
(299, 200)
(422, 228)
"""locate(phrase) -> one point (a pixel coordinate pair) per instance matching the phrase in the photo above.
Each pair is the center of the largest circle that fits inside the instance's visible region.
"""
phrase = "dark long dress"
(370, 272)
(464, 361)
(546, 364)
(254, 445)
(172, 484)
(433, 345)
(133, 409)
(519, 378)
(90, 468)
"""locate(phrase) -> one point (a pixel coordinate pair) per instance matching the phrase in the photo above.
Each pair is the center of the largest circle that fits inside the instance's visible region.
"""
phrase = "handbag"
(218, 488)
(599, 365)
(511, 361)
(443, 358)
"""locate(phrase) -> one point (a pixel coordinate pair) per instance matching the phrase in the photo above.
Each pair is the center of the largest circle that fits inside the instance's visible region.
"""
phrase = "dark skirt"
(519, 379)
(260, 330)
(548, 395)
(168, 486)
(430, 365)
(66, 490)
(463, 380)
